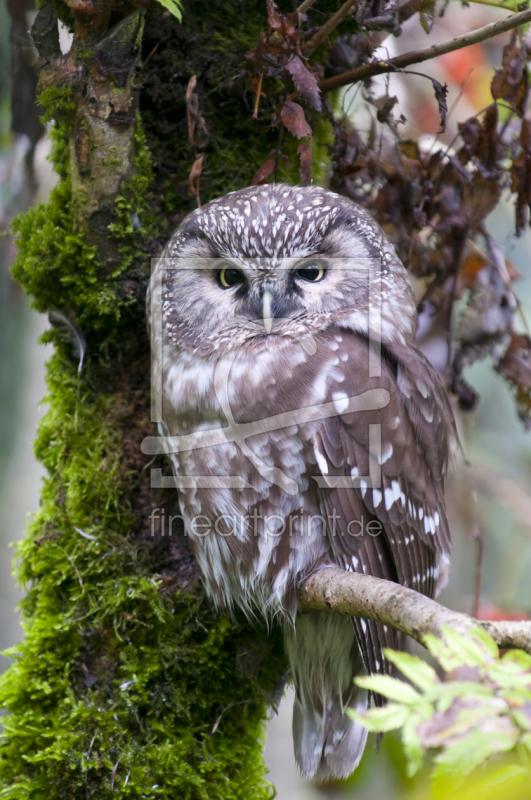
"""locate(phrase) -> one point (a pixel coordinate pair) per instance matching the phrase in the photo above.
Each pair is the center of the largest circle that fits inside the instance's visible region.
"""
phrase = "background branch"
(334, 589)
(325, 30)
(417, 56)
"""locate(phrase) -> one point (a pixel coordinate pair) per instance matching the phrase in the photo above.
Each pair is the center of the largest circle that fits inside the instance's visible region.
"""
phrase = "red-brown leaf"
(305, 82)
(264, 170)
(510, 83)
(267, 168)
(196, 122)
(192, 107)
(440, 95)
(287, 25)
(521, 177)
(293, 118)
(195, 174)
(515, 367)
(274, 17)
(305, 153)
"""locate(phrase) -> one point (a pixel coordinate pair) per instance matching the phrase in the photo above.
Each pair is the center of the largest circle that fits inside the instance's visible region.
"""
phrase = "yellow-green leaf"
(174, 7)
(380, 720)
(389, 687)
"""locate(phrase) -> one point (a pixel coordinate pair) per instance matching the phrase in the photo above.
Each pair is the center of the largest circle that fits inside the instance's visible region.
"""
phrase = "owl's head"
(280, 260)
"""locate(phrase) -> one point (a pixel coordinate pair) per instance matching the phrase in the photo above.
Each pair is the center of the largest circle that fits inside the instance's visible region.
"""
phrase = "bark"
(342, 592)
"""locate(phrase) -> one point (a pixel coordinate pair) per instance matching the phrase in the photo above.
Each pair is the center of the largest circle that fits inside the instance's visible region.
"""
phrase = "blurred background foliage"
(489, 498)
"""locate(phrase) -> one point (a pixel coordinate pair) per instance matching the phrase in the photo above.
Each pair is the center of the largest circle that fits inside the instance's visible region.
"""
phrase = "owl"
(305, 430)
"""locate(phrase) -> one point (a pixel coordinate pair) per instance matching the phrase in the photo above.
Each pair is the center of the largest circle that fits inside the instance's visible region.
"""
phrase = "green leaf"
(446, 693)
(475, 648)
(411, 740)
(414, 669)
(389, 687)
(511, 673)
(174, 7)
(505, 782)
(487, 640)
(463, 757)
(518, 658)
(380, 720)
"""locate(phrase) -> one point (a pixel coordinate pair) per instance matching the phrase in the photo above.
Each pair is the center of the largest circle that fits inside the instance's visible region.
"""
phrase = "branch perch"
(334, 589)
(417, 56)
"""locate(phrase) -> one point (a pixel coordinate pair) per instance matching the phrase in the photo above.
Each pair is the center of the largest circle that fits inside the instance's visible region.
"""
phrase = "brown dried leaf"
(274, 17)
(264, 170)
(515, 367)
(305, 153)
(196, 122)
(192, 107)
(488, 142)
(470, 132)
(195, 175)
(384, 105)
(440, 95)
(286, 25)
(305, 82)
(521, 177)
(293, 118)
(511, 83)
(268, 167)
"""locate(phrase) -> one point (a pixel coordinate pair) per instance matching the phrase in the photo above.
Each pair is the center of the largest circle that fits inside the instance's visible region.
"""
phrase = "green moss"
(56, 101)
(112, 671)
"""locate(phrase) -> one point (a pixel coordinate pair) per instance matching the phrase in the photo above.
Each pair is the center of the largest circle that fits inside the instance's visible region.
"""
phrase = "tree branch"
(417, 56)
(325, 30)
(334, 589)
(306, 5)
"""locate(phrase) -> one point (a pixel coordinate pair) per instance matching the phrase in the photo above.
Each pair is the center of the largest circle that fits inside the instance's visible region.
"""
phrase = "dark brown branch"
(325, 30)
(334, 589)
(417, 56)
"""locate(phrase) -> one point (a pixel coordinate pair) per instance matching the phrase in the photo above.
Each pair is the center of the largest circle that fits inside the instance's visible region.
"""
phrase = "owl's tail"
(324, 659)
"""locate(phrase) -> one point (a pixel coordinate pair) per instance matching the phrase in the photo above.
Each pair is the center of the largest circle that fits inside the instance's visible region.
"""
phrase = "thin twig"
(258, 93)
(416, 57)
(334, 589)
(477, 536)
(150, 55)
(306, 5)
(326, 29)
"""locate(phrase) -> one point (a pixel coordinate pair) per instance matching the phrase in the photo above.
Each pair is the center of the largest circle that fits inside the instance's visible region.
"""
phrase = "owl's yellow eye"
(312, 271)
(229, 276)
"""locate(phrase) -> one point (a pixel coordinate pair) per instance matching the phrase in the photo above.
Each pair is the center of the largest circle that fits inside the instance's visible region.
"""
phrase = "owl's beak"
(266, 311)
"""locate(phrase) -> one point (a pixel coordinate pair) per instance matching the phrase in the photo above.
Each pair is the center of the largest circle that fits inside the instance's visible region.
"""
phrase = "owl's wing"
(395, 527)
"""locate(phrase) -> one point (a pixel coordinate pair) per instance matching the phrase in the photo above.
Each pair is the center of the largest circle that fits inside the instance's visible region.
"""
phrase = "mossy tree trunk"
(127, 682)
